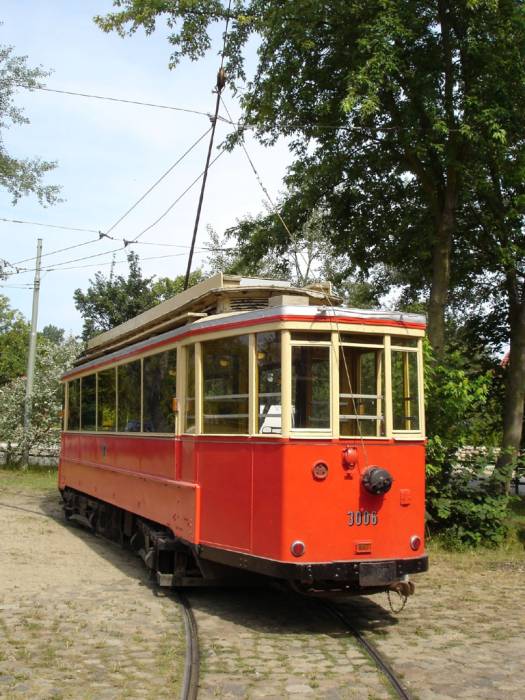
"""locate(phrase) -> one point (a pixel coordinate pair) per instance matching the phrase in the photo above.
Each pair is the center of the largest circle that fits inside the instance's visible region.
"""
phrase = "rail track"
(190, 681)
(370, 650)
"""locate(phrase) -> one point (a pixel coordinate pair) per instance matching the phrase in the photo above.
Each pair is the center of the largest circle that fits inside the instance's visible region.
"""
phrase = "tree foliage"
(109, 301)
(52, 360)
(20, 176)
(14, 339)
(407, 124)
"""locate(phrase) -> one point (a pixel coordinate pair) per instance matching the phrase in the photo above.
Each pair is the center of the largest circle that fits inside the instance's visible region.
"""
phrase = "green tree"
(52, 360)
(109, 301)
(376, 97)
(14, 339)
(53, 334)
(20, 176)
(406, 118)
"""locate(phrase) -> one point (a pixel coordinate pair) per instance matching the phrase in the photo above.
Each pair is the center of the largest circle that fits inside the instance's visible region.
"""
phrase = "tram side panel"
(136, 474)
(241, 495)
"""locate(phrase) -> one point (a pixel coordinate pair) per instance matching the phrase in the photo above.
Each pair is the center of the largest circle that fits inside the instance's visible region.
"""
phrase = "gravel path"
(78, 619)
(77, 616)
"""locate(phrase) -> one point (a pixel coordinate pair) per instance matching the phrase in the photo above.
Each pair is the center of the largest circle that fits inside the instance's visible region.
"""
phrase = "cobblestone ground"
(78, 620)
(77, 617)
(268, 644)
(462, 634)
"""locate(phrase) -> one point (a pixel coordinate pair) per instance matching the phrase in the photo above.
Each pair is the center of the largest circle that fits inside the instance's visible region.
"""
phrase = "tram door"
(225, 460)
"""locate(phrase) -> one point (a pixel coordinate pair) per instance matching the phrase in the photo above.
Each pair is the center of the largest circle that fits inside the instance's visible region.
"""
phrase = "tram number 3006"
(362, 517)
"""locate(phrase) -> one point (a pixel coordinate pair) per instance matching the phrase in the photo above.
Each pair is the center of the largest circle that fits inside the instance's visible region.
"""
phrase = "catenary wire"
(39, 223)
(148, 228)
(117, 262)
(157, 182)
(106, 233)
(220, 83)
(266, 193)
(108, 98)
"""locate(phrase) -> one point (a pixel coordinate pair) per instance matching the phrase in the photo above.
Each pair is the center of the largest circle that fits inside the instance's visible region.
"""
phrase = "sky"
(109, 153)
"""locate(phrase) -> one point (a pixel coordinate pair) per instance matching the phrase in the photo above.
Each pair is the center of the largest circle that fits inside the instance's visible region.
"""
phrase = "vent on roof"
(247, 304)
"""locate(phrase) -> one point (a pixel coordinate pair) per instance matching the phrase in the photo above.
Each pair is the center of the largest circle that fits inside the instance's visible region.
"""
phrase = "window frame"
(382, 399)
(418, 352)
(332, 336)
(312, 432)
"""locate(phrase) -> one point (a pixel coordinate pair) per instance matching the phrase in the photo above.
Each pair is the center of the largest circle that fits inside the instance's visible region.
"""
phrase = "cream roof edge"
(183, 302)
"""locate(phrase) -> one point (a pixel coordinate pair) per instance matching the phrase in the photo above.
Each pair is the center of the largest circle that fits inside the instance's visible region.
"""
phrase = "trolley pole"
(32, 352)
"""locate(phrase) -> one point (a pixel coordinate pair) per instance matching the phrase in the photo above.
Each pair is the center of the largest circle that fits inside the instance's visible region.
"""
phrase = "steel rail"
(190, 681)
(371, 651)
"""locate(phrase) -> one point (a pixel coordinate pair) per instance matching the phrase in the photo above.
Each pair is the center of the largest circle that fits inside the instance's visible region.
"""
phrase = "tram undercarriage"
(174, 563)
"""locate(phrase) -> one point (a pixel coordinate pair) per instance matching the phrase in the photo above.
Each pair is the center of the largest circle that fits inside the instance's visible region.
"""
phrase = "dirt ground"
(78, 619)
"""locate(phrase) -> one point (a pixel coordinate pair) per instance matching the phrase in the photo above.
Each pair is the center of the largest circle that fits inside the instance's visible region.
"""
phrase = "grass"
(33, 478)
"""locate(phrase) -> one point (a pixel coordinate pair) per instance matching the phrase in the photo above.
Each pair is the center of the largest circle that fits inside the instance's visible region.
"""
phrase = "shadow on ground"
(262, 607)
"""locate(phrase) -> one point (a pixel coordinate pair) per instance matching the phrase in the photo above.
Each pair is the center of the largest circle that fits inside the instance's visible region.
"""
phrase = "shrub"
(465, 506)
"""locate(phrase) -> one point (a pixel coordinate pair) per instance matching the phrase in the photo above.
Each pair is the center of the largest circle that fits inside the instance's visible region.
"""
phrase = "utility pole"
(32, 352)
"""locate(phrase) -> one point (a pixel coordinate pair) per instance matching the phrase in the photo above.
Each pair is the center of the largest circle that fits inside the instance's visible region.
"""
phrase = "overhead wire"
(39, 223)
(219, 86)
(106, 234)
(176, 201)
(266, 193)
(157, 182)
(108, 98)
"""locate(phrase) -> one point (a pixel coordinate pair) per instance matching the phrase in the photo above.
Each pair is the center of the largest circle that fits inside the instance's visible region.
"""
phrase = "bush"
(465, 506)
(464, 503)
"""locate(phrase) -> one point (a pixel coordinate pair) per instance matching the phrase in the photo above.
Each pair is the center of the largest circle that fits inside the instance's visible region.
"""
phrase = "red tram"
(246, 424)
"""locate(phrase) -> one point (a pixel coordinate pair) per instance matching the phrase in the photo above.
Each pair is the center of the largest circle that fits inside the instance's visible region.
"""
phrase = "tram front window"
(405, 394)
(268, 348)
(225, 385)
(361, 404)
(311, 387)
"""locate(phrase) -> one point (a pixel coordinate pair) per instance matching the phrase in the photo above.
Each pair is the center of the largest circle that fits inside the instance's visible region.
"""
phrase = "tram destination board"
(376, 573)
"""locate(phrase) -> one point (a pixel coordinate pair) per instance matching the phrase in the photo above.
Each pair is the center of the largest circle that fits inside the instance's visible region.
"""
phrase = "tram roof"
(222, 296)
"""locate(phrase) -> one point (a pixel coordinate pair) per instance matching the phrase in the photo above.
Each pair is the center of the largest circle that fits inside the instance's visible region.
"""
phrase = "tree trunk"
(441, 271)
(514, 396)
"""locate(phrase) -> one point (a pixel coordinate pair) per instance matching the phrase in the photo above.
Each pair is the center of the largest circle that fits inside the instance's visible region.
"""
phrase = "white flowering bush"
(53, 359)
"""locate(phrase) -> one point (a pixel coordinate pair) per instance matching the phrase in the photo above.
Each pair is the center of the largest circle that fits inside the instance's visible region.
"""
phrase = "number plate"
(377, 573)
(361, 517)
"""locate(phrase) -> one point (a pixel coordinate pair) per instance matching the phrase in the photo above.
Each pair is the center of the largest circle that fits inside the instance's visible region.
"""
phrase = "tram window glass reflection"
(189, 412)
(88, 408)
(73, 405)
(129, 397)
(160, 388)
(311, 336)
(361, 339)
(361, 381)
(225, 385)
(405, 390)
(268, 349)
(311, 387)
(106, 400)
(404, 342)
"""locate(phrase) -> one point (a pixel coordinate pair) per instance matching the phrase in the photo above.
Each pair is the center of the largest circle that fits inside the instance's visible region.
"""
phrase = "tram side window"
(88, 408)
(405, 390)
(361, 381)
(106, 400)
(73, 405)
(160, 388)
(268, 382)
(311, 387)
(128, 419)
(225, 385)
(189, 411)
